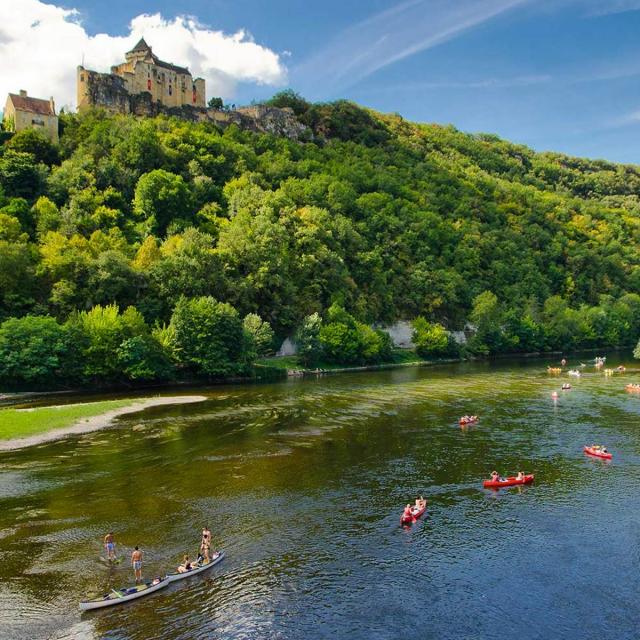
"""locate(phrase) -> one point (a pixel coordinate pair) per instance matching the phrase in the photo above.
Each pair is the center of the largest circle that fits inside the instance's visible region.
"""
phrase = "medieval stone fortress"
(145, 86)
(141, 85)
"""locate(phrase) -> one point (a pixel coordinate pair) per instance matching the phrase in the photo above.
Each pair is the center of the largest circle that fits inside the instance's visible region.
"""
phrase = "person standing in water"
(136, 563)
(205, 545)
(110, 546)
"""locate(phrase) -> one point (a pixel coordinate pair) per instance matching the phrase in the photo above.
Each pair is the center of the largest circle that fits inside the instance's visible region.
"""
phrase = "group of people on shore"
(137, 555)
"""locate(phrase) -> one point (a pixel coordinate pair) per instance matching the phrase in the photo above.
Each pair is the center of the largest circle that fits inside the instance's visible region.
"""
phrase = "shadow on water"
(303, 483)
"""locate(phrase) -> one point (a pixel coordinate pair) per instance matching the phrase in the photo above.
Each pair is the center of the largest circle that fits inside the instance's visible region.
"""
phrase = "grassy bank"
(21, 423)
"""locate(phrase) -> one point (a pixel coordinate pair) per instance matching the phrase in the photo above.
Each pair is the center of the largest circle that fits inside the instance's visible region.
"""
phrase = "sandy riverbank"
(95, 423)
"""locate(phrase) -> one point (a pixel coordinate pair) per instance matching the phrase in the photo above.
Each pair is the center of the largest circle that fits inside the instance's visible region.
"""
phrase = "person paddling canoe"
(110, 546)
(136, 563)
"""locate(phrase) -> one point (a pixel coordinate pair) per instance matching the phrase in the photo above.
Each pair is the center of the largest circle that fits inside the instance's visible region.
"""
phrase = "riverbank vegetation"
(157, 249)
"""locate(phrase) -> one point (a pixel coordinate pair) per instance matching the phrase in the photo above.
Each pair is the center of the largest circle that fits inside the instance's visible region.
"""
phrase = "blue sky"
(553, 74)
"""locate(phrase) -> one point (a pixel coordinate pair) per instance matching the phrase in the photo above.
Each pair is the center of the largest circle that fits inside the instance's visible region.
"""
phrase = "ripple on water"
(303, 485)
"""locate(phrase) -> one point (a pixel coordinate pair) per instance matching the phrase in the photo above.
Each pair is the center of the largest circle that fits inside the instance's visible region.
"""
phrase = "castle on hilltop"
(142, 85)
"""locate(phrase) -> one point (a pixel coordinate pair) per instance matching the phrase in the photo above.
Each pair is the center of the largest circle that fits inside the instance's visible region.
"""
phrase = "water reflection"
(303, 484)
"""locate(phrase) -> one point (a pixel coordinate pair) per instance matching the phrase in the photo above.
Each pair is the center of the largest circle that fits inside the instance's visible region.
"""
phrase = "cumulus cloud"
(42, 44)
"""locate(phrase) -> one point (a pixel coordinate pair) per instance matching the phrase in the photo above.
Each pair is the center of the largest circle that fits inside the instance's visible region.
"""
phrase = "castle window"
(170, 93)
(82, 77)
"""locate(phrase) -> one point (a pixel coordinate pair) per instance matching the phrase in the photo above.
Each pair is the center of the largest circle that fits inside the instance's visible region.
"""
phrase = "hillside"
(387, 218)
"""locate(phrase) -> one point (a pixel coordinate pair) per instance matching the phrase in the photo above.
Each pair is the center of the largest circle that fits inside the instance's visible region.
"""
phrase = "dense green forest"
(142, 249)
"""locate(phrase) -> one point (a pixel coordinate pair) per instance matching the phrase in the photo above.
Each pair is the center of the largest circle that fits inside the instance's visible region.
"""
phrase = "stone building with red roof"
(22, 112)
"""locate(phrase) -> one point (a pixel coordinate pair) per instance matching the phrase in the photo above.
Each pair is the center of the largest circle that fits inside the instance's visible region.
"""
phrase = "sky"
(558, 75)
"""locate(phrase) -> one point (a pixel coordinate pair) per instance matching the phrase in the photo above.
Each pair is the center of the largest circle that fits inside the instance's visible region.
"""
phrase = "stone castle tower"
(140, 84)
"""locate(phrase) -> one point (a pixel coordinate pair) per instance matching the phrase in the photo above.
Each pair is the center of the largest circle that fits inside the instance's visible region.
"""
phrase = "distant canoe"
(511, 481)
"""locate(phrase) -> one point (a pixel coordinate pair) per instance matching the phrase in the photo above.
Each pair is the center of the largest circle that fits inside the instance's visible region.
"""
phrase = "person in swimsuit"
(185, 566)
(110, 546)
(205, 545)
(136, 563)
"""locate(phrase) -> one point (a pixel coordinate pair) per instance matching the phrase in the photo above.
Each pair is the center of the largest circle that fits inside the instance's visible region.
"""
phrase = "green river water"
(303, 482)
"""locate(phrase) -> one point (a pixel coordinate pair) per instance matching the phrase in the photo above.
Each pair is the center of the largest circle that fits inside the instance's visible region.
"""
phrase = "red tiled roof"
(33, 105)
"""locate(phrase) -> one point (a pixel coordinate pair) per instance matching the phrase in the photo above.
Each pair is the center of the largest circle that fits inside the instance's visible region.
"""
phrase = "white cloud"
(486, 83)
(392, 35)
(596, 8)
(628, 119)
(42, 44)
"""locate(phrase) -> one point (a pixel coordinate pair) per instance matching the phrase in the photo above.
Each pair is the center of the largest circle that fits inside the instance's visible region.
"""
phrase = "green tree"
(432, 340)
(46, 216)
(35, 143)
(260, 334)
(104, 330)
(36, 350)
(209, 337)
(291, 100)
(142, 357)
(307, 339)
(345, 340)
(522, 332)
(486, 316)
(21, 176)
(162, 197)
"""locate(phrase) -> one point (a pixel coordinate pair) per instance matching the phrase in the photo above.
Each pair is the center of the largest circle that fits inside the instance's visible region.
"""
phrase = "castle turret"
(141, 51)
(199, 97)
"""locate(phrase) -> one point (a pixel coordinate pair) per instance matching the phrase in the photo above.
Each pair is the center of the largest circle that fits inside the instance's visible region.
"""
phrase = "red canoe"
(597, 454)
(511, 481)
(415, 515)
(462, 421)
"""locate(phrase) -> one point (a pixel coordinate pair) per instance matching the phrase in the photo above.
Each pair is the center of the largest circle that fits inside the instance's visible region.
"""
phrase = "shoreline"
(95, 423)
(306, 372)
(268, 373)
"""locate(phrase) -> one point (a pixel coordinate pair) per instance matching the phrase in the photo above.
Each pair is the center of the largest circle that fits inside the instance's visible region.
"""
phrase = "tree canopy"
(382, 218)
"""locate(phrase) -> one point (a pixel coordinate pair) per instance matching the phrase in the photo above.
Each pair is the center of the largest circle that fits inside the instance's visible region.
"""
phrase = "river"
(303, 482)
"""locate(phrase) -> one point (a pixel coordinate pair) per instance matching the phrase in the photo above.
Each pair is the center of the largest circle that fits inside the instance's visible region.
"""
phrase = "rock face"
(279, 122)
(401, 333)
(108, 91)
